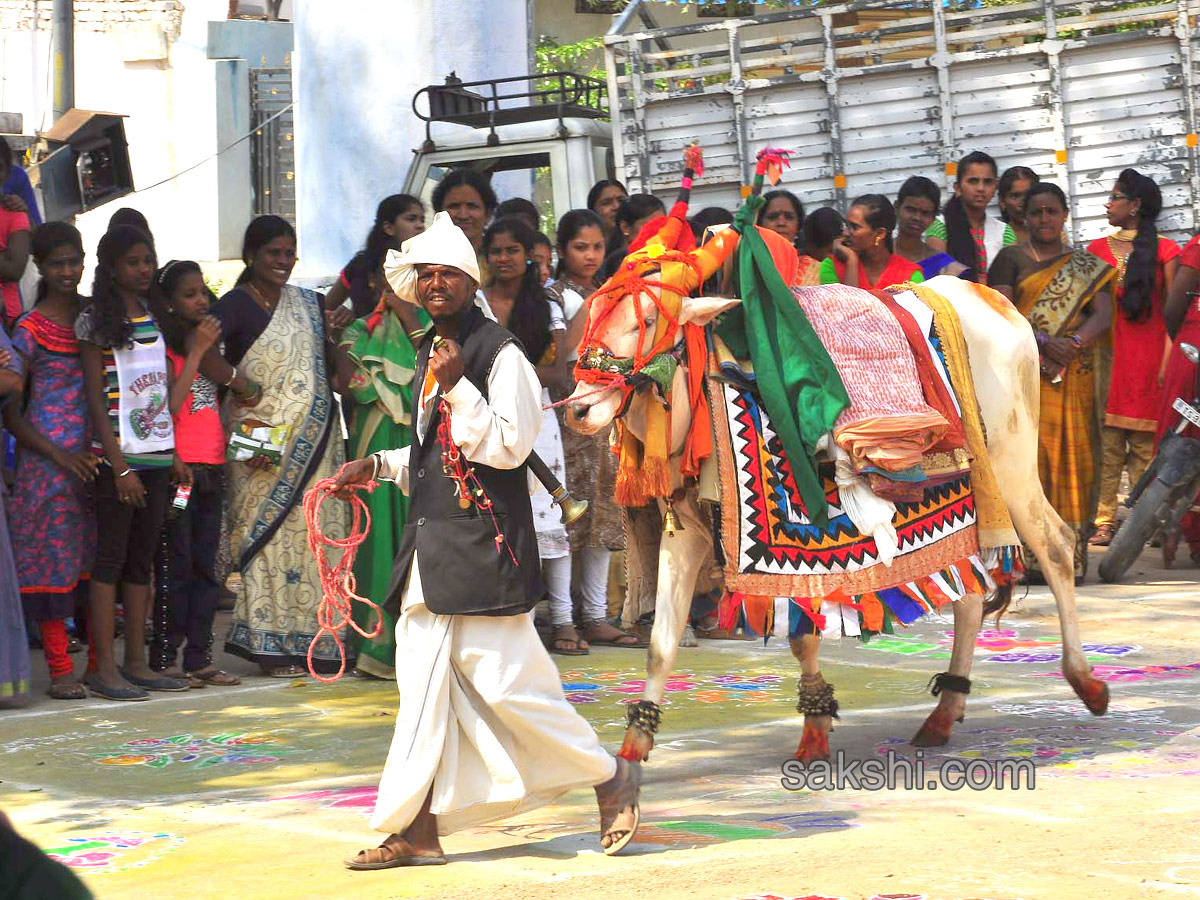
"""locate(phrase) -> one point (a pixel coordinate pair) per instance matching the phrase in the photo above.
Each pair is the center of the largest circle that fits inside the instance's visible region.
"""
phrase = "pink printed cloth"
(888, 424)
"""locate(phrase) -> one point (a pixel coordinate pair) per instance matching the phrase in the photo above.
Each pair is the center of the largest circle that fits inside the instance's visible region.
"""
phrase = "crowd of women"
(156, 425)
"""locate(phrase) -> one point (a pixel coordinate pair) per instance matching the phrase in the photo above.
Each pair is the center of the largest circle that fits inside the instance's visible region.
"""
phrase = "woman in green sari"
(378, 403)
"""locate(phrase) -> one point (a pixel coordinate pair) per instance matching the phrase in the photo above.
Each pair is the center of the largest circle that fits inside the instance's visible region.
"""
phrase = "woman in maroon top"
(1182, 314)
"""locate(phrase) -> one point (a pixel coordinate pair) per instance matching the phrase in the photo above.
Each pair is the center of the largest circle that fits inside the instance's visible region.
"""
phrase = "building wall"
(150, 60)
(354, 78)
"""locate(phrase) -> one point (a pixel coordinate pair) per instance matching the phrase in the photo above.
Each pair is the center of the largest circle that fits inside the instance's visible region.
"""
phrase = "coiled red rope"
(338, 585)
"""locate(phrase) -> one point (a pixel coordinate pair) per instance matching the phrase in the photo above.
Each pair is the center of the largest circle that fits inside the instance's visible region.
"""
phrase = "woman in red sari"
(1182, 314)
(863, 257)
(1145, 265)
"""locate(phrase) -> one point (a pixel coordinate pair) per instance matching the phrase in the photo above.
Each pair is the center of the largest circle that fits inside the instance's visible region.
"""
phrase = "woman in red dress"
(1145, 265)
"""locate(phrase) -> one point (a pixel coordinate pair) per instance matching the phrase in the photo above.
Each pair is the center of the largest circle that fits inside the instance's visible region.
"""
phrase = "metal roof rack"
(508, 101)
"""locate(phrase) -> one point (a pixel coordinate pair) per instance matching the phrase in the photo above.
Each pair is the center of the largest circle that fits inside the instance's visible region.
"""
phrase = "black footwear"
(158, 682)
(108, 692)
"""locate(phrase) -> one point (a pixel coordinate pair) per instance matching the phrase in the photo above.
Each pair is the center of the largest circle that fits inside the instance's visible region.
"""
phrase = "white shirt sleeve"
(393, 466)
(572, 303)
(501, 433)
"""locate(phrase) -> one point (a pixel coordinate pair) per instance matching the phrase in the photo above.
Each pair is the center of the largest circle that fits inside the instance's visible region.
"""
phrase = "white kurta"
(482, 716)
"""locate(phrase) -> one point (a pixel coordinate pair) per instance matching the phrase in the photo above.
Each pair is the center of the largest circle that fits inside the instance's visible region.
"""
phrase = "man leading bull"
(483, 730)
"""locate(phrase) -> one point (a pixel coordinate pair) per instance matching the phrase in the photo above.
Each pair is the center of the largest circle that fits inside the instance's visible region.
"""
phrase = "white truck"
(865, 94)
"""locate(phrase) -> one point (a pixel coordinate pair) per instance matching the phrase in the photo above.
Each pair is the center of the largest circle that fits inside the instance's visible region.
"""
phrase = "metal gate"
(869, 92)
(272, 148)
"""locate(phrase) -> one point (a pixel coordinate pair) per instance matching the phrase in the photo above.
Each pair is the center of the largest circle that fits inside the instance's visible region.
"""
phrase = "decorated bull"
(876, 454)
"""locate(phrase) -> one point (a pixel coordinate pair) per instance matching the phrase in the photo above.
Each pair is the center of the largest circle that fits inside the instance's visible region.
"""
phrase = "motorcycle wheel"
(1151, 511)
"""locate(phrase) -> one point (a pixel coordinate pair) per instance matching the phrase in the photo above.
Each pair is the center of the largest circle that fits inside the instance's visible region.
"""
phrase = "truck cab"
(552, 128)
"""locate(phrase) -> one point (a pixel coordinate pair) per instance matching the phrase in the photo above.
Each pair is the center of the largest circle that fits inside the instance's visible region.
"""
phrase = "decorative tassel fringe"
(638, 486)
(1005, 565)
(862, 615)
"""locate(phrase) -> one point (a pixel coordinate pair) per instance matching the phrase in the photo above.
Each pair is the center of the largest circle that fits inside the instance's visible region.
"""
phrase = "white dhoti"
(482, 719)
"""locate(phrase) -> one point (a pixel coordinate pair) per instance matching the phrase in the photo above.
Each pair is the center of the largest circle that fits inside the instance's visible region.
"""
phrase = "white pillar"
(356, 67)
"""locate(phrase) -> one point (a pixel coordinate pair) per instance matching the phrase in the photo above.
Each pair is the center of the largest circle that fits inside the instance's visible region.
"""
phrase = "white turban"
(442, 243)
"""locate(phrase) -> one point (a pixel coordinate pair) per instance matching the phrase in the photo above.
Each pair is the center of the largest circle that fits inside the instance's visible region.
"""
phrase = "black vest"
(462, 570)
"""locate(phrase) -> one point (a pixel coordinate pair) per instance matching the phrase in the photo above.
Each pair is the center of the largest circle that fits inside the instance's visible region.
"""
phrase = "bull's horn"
(712, 255)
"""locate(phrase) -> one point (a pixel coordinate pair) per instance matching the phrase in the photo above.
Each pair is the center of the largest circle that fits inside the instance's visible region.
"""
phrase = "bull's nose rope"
(572, 399)
(338, 584)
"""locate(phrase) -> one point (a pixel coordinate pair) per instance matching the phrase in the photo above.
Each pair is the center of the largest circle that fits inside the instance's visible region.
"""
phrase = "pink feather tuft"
(772, 161)
(693, 158)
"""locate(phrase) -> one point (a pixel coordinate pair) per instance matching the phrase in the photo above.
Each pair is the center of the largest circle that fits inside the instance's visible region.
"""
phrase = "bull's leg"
(1053, 543)
(679, 558)
(815, 695)
(951, 687)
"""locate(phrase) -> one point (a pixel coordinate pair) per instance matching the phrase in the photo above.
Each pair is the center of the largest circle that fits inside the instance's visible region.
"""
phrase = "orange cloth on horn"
(668, 260)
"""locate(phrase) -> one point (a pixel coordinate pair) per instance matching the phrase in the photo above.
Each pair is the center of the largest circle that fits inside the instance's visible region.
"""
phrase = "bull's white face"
(621, 334)
(628, 329)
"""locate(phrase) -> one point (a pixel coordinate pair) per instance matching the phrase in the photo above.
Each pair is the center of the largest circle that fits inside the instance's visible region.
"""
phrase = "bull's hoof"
(935, 732)
(637, 745)
(1093, 692)
(814, 745)
(688, 639)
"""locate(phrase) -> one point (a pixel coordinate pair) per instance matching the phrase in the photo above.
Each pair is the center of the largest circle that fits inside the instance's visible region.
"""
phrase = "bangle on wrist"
(232, 376)
(123, 474)
(253, 390)
(1077, 340)
(374, 465)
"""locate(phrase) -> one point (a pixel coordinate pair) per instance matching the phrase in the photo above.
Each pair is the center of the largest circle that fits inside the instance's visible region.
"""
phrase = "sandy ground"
(259, 791)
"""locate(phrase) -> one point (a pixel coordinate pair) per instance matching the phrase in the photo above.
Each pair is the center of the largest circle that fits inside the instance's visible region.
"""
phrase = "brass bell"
(670, 520)
(569, 509)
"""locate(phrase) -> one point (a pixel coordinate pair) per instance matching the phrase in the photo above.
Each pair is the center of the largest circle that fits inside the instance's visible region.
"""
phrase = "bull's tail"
(999, 601)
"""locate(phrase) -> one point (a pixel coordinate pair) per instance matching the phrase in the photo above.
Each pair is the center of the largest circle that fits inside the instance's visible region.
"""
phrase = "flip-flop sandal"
(635, 777)
(108, 692)
(393, 862)
(158, 682)
(636, 644)
(215, 677)
(578, 651)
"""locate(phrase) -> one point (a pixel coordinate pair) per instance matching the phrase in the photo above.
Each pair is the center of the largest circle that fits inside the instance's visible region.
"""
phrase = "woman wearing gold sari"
(1064, 294)
(274, 334)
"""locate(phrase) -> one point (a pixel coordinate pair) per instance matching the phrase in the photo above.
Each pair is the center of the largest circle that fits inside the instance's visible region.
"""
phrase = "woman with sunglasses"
(1145, 263)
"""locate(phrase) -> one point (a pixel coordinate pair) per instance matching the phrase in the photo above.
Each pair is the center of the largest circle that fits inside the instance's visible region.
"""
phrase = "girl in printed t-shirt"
(127, 384)
(186, 591)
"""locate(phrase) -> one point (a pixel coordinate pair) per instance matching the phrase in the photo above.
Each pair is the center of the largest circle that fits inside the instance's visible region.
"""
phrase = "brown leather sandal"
(393, 853)
(567, 642)
(626, 797)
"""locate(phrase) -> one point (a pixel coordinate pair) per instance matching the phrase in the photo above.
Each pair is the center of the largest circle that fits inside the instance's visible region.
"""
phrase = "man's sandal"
(393, 855)
(624, 798)
(566, 634)
(617, 638)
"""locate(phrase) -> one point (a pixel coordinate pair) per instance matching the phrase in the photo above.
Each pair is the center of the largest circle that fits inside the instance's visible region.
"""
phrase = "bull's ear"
(702, 310)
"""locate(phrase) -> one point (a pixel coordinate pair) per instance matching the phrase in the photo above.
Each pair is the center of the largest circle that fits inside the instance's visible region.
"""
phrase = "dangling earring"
(877, 240)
